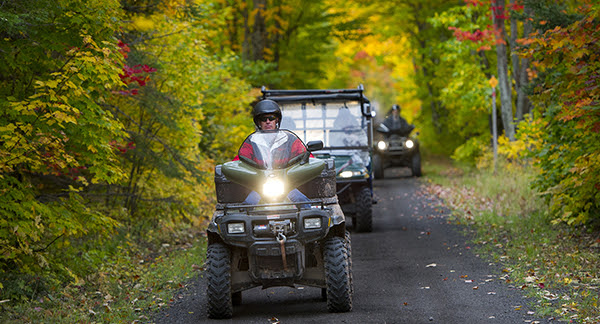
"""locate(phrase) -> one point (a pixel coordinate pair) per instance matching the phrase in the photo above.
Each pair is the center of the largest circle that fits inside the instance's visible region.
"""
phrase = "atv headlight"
(273, 188)
(235, 228)
(312, 223)
(409, 144)
(381, 145)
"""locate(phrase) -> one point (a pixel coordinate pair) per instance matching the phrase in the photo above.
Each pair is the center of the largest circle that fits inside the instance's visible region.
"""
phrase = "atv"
(277, 242)
(342, 120)
(396, 148)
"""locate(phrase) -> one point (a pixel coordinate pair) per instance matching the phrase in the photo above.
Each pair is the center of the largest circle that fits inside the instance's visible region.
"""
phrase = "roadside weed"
(136, 281)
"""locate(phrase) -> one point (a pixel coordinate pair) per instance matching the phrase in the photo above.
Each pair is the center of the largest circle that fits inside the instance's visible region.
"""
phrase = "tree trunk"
(514, 57)
(522, 100)
(246, 50)
(276, 39)
(503, 79)
(259, 32)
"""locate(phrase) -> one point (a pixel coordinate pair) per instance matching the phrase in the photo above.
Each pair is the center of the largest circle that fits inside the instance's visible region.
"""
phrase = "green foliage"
(61, 63)
(472, 150)
(567, 66)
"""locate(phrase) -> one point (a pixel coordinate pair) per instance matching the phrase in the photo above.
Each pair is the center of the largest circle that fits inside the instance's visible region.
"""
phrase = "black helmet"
(396, 107)
(264, 107)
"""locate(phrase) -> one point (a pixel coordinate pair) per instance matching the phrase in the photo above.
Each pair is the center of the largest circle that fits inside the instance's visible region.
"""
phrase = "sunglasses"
(270, 118)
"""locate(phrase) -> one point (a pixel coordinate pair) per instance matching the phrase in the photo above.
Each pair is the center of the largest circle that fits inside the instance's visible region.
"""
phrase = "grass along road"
(557, 265)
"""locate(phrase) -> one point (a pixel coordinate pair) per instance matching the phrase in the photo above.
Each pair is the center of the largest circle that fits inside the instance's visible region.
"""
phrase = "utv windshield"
(272, 149)
(340, 125)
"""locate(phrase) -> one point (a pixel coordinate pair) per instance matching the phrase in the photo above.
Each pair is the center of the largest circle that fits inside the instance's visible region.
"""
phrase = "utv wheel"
(378, 171)
(218, 277)
(337, 276)
(416, 165)
(364, 211)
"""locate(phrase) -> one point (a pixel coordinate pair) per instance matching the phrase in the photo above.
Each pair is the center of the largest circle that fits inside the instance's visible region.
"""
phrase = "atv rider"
(396, 124)
(267, 118)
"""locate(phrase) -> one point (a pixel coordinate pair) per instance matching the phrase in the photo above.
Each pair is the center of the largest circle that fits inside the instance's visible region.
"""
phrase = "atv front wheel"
(337, 275)
(378, 171)
(218, 277)
(416, 165)
(364, 211)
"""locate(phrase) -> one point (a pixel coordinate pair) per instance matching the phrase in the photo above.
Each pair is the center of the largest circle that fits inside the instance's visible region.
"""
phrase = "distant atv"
(396, 148)
(277, 242)
(342, 119)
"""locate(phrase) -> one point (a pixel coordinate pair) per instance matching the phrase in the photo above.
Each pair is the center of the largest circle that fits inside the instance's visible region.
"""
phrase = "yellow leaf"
(10, 128)
(52, 84)
(142, 23)
(92, 149)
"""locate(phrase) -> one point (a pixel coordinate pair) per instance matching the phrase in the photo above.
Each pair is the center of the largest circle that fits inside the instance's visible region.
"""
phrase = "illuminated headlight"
(409, 144)
(312, 223)
(350, 174)
(381, 145)
(235, 228)
(273, 188)
(346, 174)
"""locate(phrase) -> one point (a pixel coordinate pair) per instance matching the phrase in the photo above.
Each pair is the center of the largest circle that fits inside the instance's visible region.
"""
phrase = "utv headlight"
(350, 174)
(312, 223)
(346, 174)
(273, 188)
(409, 144)
(381, 145)
(235, 228)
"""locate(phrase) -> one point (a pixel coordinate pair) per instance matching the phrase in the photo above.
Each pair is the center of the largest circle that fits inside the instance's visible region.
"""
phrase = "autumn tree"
(181, 111)
(295, 39)
(60, 64)
(565, 94)
(111, 121)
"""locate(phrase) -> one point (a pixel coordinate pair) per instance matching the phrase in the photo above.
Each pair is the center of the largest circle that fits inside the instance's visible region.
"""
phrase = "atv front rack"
(297, 204)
